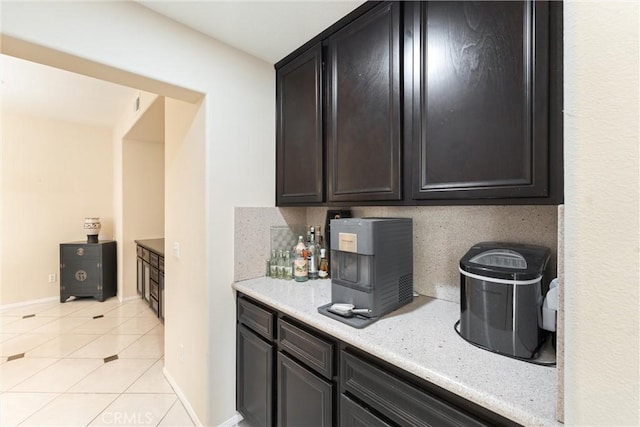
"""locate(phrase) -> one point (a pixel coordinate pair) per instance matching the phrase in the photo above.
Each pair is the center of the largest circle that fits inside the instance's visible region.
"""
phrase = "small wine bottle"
(300, 269)
(323, 268)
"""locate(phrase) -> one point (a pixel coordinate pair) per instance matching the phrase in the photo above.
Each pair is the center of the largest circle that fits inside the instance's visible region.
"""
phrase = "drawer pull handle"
(80, 251)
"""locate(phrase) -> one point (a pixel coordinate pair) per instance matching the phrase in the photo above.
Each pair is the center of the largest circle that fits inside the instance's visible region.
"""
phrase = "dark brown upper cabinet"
(363, 123)
(425, 103)
(299, 141)
(479, 76)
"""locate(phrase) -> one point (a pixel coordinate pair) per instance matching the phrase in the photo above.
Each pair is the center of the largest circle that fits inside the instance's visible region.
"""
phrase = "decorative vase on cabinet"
(92, 227)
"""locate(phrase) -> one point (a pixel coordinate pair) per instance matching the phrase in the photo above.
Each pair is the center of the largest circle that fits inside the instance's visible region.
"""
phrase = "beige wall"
(143, 202)
(186, 314)
(602, 122)
(54, 174)
(123, 127)
(237, 150)
(142, 186)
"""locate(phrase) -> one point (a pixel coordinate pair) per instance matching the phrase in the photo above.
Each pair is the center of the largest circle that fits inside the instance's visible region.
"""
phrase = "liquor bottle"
(320, 237)
(273, 265)
(300, 268)
(313, 252)
(288, 269)
(323, 268)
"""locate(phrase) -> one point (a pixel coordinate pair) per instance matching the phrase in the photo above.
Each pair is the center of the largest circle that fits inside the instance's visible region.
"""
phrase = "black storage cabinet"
(88, 270)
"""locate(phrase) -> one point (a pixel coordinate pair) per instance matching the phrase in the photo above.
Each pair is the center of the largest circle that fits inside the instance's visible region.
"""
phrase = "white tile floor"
(63, 380)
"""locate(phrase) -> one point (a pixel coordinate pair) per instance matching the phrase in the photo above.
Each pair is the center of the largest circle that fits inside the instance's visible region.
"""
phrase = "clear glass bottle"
(320, 237)
(288, 266)
(323, 268)
(300, 269)
(313, 253)
(280, 264)
(273, 265)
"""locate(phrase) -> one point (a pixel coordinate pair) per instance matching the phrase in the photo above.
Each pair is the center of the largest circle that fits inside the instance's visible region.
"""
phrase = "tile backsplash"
(253, 237)
(442, 235)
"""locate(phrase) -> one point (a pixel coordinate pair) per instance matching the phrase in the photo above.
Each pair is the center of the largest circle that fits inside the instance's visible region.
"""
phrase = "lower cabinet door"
(254, 376)
(304, 399)
(354, 415)
(140, 279)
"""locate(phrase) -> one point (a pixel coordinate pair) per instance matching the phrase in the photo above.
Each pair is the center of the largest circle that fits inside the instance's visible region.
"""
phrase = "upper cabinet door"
(299, 143)
(363, 108)
(480, 99)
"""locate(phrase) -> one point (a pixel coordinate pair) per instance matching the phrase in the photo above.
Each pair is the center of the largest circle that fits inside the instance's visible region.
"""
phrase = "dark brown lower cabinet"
(354, 415)
(291, 375)
(254, 378)
(150, 279)
(304, 399)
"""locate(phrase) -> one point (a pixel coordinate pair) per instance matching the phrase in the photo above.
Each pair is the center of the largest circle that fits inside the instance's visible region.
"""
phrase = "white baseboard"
(182, 398)
(25, 303)
(233, 421)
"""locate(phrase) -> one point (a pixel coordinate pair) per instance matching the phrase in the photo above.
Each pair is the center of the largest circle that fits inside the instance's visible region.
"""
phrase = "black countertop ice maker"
(502, 286)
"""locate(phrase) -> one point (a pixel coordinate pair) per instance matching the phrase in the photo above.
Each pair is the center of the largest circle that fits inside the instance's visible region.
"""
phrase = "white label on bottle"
(300, 267)
(348, 242)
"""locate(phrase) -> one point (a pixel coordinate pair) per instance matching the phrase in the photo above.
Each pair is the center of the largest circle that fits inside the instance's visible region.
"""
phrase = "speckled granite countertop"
(420, 339)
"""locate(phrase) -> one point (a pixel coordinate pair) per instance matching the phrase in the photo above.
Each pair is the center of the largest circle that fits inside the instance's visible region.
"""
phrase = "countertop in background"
(420, 338)
(154, 245)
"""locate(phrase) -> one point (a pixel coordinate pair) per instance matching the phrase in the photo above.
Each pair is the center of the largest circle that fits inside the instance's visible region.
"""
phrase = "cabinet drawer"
(154, 289)
(153, 303)
(313, 351)
(161, 263)
(139, 251)
(79, 252)
(398, 400)
(256, 318)
(145, 254)
(154, 274)
(154, 259)
(354, 415)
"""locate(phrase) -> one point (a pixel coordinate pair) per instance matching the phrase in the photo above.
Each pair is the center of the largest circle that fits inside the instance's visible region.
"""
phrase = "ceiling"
(38, 90)
(269, 30)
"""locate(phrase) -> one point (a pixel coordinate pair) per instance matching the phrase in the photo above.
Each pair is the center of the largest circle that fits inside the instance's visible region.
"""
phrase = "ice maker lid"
(508, 261)
(506, 258)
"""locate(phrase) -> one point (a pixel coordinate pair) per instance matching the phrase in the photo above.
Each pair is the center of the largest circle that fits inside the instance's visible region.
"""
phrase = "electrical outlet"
(176, 249)
(52, 278)
(182, 352)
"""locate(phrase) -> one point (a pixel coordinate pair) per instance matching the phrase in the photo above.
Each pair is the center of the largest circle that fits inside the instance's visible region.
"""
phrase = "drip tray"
(357, 320)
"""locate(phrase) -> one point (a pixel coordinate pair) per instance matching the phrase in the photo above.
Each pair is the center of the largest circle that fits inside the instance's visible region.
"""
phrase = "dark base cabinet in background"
(88, 270)
(289, 374)
(150, 274)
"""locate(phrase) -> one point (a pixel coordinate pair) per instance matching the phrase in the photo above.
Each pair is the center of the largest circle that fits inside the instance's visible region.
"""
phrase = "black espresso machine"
(371, 268)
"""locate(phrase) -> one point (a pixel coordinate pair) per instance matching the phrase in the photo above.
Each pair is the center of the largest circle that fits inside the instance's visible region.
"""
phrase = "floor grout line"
(144, 326)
